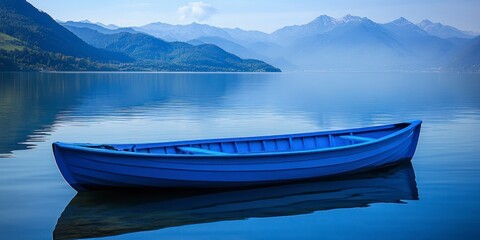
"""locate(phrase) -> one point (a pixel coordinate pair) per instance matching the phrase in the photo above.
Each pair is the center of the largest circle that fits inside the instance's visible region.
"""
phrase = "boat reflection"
(104, 214)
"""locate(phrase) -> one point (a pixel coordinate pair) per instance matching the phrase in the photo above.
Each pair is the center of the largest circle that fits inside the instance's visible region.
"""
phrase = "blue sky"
(263, 15)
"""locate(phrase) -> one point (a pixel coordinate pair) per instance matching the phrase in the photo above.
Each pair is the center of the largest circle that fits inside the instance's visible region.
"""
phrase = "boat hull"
(99, 169)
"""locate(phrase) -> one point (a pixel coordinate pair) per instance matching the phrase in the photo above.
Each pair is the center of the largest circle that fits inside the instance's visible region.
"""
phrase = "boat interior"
(267, 144)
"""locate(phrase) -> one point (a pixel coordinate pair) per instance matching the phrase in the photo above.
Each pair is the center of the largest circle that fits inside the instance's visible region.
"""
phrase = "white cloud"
(196, 11)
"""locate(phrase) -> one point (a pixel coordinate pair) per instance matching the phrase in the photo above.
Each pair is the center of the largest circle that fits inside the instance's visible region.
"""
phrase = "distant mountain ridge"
(243, 43)
(182, 33)
(425, 49)
(351, 45)
(97, 27)
(31, 40)
(443, 31)
(322, 43)
(319, 25)
(178, 56)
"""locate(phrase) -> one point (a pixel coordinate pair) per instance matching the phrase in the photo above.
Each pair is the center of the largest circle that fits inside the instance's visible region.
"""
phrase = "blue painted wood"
(195, 150)
(357, 138)
(231, 162)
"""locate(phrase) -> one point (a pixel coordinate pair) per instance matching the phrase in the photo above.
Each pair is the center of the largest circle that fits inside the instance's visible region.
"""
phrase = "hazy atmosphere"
(263, 15)
(246, 120)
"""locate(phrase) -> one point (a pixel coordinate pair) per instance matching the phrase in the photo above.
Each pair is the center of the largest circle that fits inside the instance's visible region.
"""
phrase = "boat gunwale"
(85, 147)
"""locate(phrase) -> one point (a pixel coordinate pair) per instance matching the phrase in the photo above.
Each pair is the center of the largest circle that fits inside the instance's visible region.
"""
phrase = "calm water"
(437, 197)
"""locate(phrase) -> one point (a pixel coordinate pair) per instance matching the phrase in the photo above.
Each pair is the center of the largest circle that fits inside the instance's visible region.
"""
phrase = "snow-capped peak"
(402, 22)
(324, 21)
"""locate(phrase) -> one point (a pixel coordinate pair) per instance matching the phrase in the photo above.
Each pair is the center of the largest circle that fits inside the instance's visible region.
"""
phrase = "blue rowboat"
(233, 162)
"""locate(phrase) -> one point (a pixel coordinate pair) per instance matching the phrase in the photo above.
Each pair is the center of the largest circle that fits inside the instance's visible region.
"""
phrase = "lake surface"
(436, 197)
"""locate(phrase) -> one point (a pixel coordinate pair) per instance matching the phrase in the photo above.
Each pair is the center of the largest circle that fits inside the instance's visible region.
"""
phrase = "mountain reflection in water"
(101, 214)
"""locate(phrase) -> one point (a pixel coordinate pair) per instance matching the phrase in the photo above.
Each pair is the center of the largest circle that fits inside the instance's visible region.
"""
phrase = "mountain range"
(31, 40)
(171, 56)
(324, 44)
